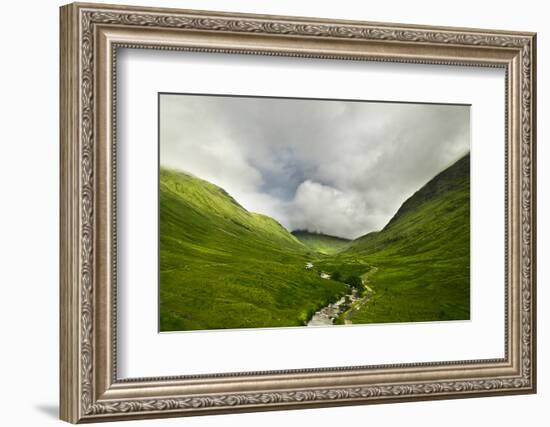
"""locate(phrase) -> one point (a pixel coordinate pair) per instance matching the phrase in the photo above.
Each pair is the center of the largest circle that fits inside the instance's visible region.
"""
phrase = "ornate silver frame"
(90, 36)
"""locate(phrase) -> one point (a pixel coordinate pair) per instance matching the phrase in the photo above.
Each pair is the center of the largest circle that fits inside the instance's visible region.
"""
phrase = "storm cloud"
(338, 167)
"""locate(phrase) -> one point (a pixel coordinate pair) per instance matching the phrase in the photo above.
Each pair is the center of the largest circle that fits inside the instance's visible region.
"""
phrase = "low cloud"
(341, 168)
(315, 206)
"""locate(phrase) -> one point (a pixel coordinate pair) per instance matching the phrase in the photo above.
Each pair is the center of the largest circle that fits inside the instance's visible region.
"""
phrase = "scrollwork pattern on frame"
(243, 400)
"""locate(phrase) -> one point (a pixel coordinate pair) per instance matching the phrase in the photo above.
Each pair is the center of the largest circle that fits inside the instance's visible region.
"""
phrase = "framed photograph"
(266, 212)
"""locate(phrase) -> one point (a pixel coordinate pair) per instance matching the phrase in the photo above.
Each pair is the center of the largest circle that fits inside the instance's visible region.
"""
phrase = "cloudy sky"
(338, 167)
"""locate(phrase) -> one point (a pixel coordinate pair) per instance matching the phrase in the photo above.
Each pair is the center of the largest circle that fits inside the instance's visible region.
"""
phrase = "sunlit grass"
(224, 267)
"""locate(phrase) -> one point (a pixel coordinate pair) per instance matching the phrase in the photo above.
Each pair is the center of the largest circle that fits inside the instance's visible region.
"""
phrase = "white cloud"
(315, 206)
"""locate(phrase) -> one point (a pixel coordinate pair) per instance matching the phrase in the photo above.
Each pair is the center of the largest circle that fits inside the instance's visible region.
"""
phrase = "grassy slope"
(322, 243)
(224, 267)
(422, 255)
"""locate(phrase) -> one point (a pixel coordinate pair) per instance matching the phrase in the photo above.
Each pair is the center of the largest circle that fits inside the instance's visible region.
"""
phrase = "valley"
(222, 266)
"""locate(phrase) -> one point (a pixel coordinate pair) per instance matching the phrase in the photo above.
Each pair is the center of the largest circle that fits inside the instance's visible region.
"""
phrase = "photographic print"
(290, 212)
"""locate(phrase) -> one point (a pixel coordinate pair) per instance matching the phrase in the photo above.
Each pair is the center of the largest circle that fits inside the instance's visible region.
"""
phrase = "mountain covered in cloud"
(320, 242)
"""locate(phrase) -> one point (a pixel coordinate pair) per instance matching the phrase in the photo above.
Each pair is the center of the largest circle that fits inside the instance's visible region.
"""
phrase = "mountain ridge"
(454, 178)
(422, 255)
(449, 178)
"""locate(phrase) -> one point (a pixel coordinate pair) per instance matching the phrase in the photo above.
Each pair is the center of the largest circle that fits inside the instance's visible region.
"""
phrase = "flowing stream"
(328, 314)
(354, 300)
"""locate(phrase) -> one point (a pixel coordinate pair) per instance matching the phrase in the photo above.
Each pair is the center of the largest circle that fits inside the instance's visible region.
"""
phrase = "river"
(328, 314)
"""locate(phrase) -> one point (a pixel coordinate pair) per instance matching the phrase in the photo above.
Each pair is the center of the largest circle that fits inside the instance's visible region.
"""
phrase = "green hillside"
(224, 267)
(319, 242)
(422, 256)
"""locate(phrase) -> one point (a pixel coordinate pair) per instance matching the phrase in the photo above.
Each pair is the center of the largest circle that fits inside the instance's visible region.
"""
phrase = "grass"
(224, 267)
